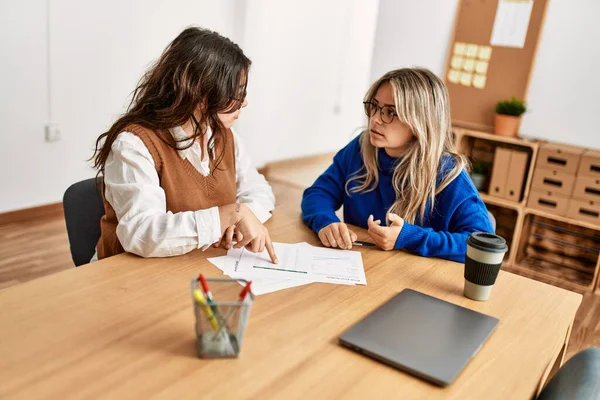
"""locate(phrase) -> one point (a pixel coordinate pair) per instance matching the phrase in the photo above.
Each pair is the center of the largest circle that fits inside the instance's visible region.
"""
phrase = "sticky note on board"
(469, 65)
(485, 53)
(479, 81)
(466, 79)
(457, 62)
(454, 76)
(459, 48)
(481, 67)
(471, 50)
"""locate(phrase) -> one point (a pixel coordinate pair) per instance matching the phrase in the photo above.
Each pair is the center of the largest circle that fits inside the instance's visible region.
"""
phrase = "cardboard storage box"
(590, 164)
(587, 188)
(548, 201)
(553, 181)
(584, 210)
(559, 157)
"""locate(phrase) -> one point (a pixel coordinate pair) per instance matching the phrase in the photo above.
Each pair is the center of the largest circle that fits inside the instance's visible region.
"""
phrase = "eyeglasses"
(236, 104)
(386, 113)
(240, 99)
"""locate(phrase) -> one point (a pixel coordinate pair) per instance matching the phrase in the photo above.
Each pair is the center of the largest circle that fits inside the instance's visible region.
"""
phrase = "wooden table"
(123, 328)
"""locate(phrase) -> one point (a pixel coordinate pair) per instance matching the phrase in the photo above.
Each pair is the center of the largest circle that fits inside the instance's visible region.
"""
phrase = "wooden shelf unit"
(516, 261)
(530, 146)
(571, 265)
(506, 219)
(546, 278)
(500, 202)
(598, 277)
(532, 143)
(560, 218)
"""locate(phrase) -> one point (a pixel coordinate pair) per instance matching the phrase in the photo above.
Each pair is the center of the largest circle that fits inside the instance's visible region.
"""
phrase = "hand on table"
(385, 236)
(249, 231)
(337, 235)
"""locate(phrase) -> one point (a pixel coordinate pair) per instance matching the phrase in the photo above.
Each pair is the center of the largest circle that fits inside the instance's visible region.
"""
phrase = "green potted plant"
(508, 117)
(479, 174)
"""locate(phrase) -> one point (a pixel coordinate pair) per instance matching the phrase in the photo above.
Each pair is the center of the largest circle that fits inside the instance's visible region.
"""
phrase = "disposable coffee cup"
(485, 252)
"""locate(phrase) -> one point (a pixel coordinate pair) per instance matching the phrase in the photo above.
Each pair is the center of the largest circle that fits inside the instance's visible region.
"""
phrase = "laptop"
(422, 335)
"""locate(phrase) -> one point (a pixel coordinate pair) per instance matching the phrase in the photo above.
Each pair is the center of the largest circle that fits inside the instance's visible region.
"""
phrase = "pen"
(242, 297)
(361, 243)
(210, 299)
(207, 292)
(245, 291)
(212, 320)
(199, 297)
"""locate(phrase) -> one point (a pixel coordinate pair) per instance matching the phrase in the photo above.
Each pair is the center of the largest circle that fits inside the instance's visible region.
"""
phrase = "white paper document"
(511, 23)
(261, 285)
(294, 262)
(299, 264)
(301, 261)
(337, 266)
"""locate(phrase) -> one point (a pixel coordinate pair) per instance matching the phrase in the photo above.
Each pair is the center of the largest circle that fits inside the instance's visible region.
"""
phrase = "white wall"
(412, 34)
(23, 105)
(98, 51)
(310, 69)
(564, 91)
(563, 94)
(312, 62)
(75, 64)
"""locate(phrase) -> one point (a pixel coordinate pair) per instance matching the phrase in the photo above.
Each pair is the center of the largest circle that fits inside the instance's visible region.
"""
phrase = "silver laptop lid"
(423, 335)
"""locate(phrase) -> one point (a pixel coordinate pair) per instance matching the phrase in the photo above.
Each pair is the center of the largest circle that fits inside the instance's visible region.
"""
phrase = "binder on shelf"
(516, 175)
(500, 172)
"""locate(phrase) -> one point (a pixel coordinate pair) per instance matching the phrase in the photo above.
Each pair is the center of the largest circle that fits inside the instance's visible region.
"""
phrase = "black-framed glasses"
(236, 104)
(240, 99)
(386, 113)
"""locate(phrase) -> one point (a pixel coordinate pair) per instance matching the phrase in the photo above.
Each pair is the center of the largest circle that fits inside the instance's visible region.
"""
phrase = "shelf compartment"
(558, 252)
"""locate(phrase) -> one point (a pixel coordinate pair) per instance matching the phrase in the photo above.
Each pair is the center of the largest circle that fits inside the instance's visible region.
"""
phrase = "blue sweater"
(458, 212)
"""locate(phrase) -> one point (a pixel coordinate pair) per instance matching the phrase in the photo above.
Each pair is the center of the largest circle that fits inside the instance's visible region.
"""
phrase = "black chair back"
(83, 209)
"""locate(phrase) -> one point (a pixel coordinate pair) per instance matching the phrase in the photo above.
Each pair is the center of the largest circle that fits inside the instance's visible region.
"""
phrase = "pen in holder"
(222, 308)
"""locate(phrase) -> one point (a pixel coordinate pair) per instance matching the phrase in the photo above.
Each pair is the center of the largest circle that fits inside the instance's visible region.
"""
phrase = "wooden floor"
(29, 250)
(33, 249)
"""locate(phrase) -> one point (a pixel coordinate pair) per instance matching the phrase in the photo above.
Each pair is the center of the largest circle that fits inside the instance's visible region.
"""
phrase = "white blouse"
(145, 227)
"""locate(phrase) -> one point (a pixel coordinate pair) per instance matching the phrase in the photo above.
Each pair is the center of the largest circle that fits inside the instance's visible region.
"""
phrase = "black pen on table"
(361, 243)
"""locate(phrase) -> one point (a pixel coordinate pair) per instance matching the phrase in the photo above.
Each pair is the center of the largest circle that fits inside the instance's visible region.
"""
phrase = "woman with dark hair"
(176, 176)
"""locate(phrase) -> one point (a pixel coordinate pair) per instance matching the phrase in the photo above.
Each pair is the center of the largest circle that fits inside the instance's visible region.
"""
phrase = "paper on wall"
(511, 23)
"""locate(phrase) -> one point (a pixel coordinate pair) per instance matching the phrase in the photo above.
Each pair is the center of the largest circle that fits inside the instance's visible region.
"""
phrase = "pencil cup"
(220, 324)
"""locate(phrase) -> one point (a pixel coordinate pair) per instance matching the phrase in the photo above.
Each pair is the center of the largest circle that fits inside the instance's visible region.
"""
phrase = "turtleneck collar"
(386, 163)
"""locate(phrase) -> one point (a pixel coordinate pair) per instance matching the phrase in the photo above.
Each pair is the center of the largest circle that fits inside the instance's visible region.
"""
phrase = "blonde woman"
(403, 170)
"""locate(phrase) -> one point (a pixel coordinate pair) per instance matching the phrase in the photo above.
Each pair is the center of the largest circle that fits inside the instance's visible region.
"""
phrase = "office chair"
(492, 221)
(577, 379)
(83, 206)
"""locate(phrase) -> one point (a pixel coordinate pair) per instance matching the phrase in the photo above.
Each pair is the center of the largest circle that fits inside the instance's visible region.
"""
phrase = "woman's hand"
(250, 232)
(226, 240)
(385, 236)
(337, 235)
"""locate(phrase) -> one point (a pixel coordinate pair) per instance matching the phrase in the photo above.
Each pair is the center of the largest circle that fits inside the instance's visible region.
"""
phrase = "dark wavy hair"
(200, 69)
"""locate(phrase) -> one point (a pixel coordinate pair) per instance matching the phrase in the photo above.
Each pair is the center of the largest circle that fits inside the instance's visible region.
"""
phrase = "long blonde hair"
(422, 102)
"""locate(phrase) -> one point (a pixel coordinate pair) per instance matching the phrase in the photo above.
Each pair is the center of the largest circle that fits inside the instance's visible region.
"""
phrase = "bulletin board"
(491, 56)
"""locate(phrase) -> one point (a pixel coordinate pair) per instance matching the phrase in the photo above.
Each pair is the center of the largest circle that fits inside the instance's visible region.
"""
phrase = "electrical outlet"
(52, 133)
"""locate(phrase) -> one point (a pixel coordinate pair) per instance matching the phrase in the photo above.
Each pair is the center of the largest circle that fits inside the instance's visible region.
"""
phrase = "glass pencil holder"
(220, 322)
